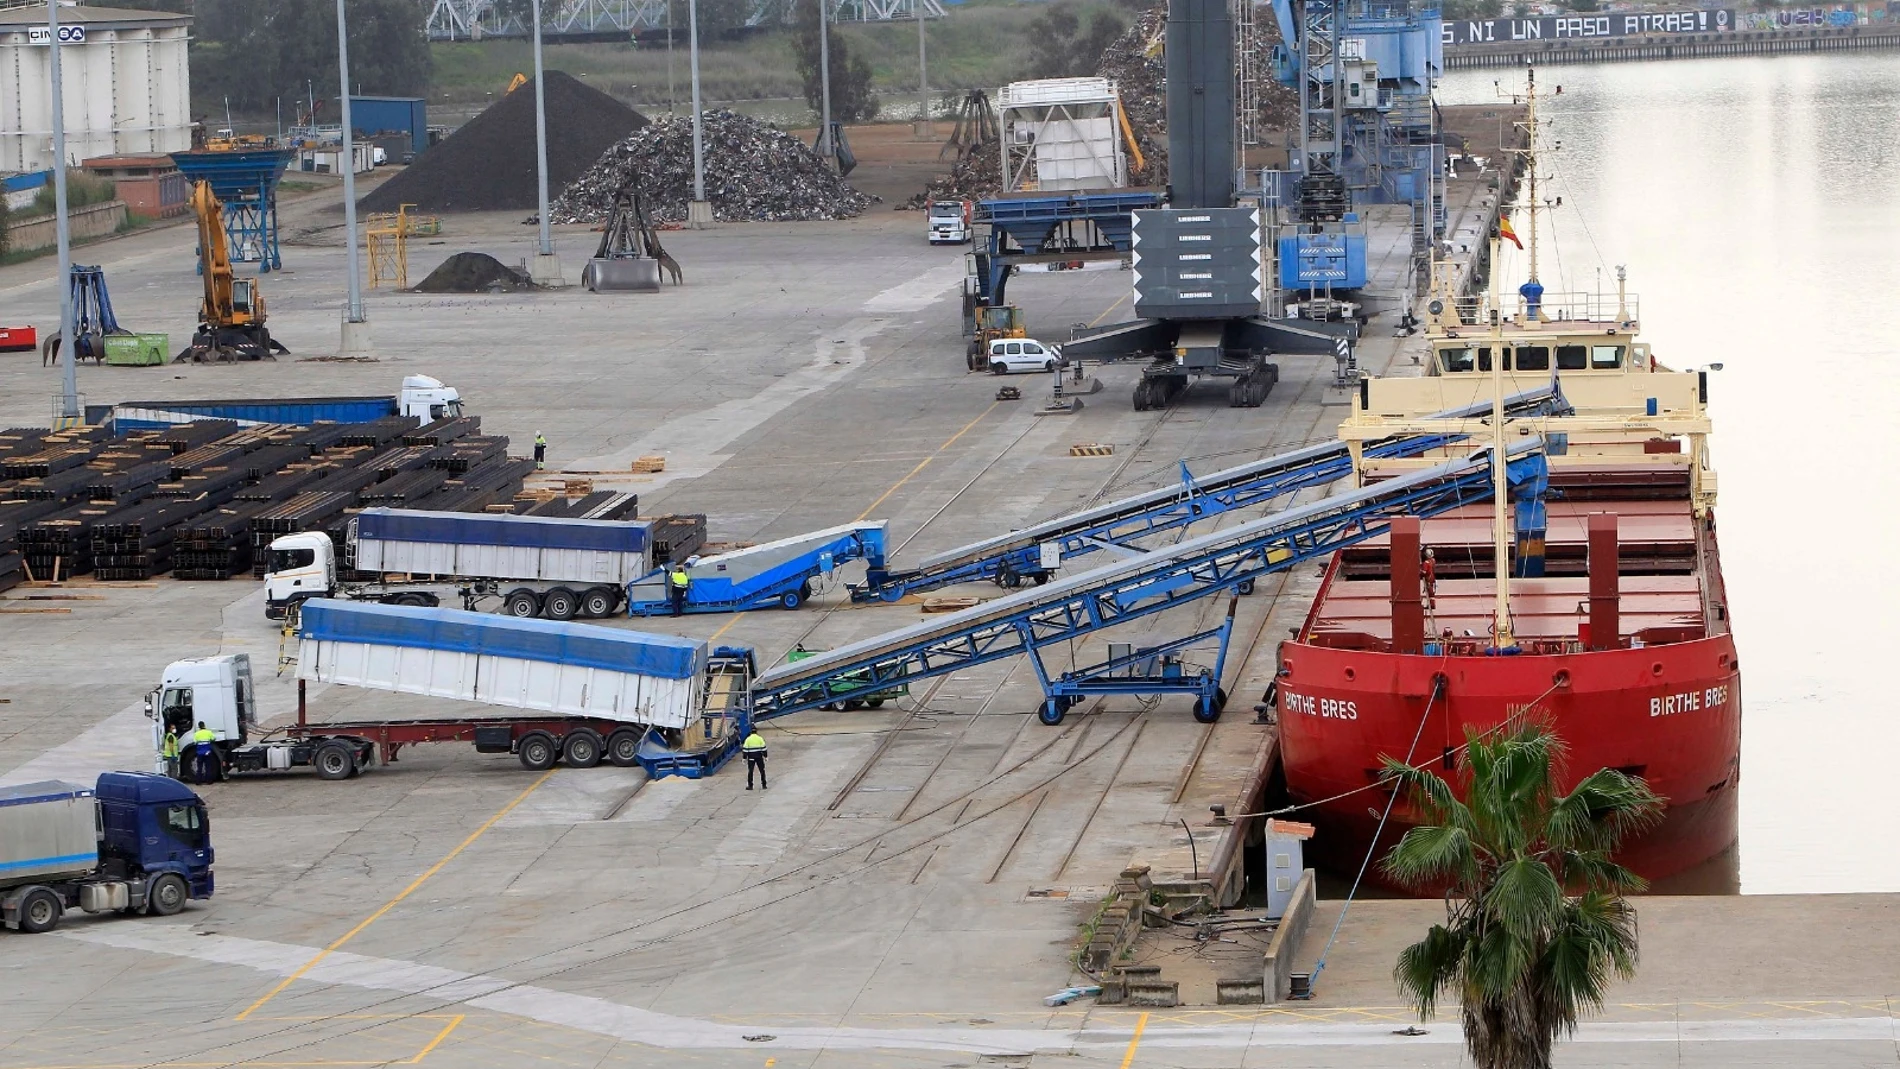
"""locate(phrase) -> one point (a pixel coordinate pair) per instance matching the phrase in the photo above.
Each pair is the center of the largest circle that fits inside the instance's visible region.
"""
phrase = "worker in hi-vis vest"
(203, 743)
(540, 451)
(754, 750)
(168, 749)
(677, 582)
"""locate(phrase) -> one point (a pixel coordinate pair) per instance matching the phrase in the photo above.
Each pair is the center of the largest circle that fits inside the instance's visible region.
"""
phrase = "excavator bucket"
(639, 274)
(629, 259)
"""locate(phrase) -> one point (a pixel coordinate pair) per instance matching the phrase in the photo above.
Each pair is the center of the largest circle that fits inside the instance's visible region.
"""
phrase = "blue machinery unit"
(93, 319)
(1035, 552)
(772, 575)
(1071, 608)
(245, 182)
(1049, 228)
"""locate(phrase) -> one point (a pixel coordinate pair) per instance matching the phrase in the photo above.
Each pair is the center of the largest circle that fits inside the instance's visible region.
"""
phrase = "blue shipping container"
(376, 115)
(581, 645)
(489, 529)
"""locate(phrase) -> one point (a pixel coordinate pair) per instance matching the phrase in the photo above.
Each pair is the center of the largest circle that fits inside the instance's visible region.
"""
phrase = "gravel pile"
(488, 164)
(472, 272)
(753, 172)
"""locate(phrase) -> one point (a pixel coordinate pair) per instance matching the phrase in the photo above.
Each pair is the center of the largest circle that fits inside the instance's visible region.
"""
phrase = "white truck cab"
(214, 690)
(301, 566)
(949, 222)
(427, 399)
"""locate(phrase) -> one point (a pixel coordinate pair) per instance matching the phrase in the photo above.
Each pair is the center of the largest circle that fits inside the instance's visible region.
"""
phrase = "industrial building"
(127, 81)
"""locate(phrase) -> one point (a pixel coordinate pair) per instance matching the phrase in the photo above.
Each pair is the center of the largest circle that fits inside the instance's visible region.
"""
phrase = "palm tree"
(1536, 924)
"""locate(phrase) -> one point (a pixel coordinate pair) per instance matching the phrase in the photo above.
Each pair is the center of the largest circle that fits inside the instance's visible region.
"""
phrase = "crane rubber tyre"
(538, 751)
(560, 604)
(333, 760)
(166, 895)
(521, 603)
(623, 748)
(599, 602)
(40, 910)
(1052, 712)
(582, 749)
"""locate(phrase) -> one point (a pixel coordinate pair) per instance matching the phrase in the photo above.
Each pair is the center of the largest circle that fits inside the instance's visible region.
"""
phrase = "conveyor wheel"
(792, 599)
(1052, 711)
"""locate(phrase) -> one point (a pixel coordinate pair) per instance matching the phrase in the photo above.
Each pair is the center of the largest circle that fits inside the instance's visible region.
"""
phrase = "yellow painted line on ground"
(392, 903)
(1134, 1041)
(1110, 308)
(925, 462)
(437, 1041)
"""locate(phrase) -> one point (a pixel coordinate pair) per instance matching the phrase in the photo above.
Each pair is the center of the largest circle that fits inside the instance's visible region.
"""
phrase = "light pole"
(547, 266)
(824, 81)
(355, 323)
(923, 128)
(699, 214)
(68, 344)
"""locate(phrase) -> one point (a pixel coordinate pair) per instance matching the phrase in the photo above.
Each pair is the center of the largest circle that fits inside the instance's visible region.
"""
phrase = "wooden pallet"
(649, 465)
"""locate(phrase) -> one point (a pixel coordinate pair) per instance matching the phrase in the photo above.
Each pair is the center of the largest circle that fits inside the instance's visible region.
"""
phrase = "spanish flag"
(1505, 231)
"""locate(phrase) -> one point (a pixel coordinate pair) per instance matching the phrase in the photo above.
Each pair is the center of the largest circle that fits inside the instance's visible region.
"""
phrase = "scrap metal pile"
(753, 172)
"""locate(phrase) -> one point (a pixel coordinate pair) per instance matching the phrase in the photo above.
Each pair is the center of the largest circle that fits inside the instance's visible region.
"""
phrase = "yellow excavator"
(231, 319)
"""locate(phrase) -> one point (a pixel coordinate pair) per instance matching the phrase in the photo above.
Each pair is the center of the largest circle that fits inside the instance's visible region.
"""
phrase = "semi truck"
(532, 565)
(135, 842)
(582, 694)
(950, 222)
(421, 396)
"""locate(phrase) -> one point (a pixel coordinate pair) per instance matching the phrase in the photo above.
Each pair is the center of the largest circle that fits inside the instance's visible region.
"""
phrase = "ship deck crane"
(231, 317)
(1020, 556)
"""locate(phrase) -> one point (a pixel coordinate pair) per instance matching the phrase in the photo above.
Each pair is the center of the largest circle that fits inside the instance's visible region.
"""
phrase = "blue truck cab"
(135, 843)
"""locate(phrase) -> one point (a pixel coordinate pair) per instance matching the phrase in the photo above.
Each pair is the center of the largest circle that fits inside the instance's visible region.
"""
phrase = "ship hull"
(1669, 713)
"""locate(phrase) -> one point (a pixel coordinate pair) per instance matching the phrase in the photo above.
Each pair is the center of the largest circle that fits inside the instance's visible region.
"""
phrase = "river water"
(1757, 204)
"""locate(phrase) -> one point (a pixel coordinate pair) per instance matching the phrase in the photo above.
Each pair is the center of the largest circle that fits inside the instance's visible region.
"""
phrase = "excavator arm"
(231, 316)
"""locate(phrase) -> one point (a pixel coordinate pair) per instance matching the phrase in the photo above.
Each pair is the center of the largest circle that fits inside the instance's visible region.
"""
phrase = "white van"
(1023, 354)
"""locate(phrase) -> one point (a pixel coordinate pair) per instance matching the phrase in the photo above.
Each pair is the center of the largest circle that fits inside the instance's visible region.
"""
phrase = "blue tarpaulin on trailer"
(583, 645)
(483, 529)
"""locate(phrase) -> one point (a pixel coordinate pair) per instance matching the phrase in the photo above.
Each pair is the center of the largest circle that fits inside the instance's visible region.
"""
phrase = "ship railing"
(1557, 306)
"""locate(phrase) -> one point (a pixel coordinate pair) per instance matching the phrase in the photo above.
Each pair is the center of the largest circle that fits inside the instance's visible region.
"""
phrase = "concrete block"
(1155, 994)
(699, 214)
(545, 270)
(1277, 969)
(1240, 991)
(356, 340)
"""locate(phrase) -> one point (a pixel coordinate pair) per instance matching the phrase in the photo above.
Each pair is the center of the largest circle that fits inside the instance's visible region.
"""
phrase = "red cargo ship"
(1610, 621)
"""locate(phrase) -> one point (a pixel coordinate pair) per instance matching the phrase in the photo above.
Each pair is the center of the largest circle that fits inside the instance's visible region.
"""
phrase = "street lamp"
(824, 80)
(355, 323)
(547, 266)
(699, 214)
(69, 358)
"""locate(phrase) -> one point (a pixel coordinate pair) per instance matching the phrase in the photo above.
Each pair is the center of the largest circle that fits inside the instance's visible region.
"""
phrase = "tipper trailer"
(136, 842)
(534, 565)
(423, 397)
(584, 694)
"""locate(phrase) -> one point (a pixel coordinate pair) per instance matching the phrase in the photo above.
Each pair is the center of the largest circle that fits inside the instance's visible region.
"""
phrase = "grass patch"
(985, 43)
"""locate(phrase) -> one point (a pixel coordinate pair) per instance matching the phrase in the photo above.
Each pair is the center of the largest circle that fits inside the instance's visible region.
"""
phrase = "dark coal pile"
(472, 272)
(753, 172)
(488, 164)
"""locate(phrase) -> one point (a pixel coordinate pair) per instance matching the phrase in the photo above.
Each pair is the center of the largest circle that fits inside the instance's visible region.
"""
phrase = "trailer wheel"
(523, 603)
(333, 760)
(875, 703)
(167, 894)
(791, 599)
(538, 751)
(40, 910)
(623, 748)
(582, 749)
(598, 603)
(561, 603)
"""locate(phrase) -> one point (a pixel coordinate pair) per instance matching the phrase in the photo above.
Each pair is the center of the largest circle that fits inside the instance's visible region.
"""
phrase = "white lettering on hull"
(1323, 708)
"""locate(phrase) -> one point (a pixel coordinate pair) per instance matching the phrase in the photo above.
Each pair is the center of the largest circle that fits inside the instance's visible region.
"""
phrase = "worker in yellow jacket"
(754, 750)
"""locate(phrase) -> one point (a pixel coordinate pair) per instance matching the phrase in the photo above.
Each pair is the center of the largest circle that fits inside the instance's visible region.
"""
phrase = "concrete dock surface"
(913, 883)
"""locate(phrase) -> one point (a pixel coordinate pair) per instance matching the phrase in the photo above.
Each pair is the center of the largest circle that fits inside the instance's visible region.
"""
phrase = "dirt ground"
(892, 164)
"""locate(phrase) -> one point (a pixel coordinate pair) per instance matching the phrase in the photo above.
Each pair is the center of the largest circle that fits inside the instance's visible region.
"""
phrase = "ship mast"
(1530, 158)
(1500, 540)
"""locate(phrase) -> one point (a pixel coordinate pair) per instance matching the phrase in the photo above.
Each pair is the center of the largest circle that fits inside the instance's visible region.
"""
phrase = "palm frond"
(1430, 855)
(1426, 968)
(1601, 810)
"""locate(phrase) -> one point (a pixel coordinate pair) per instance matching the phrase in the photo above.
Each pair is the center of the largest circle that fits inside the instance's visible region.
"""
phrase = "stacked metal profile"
(200, 500)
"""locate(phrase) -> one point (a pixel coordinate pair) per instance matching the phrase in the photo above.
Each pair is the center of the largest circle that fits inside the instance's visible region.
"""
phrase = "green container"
(137, 350)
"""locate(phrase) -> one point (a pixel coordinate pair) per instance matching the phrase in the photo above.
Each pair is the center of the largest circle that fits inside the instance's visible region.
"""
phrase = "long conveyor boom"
(1018, 554)
(1130, 589)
